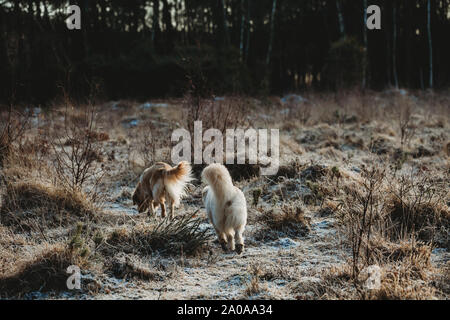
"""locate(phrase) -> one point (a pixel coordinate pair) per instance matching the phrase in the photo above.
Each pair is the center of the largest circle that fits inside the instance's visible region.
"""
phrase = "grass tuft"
(168, 237)
(285, 222)
(46, 272)
(49, 205)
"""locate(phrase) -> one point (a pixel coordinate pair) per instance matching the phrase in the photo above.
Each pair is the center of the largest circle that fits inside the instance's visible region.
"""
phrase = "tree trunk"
(387, 32)
(409, 36)
(220, 17)
(167, 18)
(85, 27)
(155, 22)
(272, 31)
(241, 44)
(365, 61)
(340, 18)
(225, 23)
(430, 44)
(247, 45)
(394, 44)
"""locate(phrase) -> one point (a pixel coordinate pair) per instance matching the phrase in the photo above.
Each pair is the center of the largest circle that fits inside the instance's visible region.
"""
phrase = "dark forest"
(160, 48)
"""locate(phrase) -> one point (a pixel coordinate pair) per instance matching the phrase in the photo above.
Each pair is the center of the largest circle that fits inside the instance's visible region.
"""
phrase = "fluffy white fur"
(226, 207)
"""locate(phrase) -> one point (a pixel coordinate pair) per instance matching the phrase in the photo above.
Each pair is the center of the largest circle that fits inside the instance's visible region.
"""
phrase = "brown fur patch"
(160, 171)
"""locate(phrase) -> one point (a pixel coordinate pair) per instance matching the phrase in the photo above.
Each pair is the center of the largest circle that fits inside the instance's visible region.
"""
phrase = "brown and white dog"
(226, 207)
(161, 183)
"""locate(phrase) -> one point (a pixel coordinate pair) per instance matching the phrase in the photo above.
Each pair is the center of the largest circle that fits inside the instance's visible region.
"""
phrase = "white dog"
(225, 205)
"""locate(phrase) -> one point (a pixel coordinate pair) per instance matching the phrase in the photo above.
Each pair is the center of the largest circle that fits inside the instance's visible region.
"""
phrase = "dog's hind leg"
(151, 208)
(223, 241)
(172, 209)
(230, 238)
(163, 209)
(239, 241)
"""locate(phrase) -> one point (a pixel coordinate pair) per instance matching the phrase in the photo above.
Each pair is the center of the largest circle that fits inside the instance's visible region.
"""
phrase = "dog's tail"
(176, 180)
(217, 176)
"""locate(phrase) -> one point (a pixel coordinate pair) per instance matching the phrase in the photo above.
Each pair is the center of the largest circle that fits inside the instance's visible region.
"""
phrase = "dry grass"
(130, 267)
(31, 205)
(404, 276)
(284, 222)
(254, 286)
(46, 272)
(393, 207)
(324, 176)
(416, 205)
(408, 278)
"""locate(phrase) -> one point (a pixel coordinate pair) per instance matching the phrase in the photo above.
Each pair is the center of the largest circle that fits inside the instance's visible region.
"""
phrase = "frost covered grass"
(363, 181)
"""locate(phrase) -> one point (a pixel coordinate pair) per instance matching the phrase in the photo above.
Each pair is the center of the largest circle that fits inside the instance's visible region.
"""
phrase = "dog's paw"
(239, 248)
(224, 246)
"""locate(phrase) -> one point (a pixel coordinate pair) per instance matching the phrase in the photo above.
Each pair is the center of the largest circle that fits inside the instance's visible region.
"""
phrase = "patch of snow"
(115, 105)
(439, 250)
(293, 98)
(310, 280)
(265, 116)
(286, 243)
(325, 224)
(149, 105)
(130, 123)
(237, 280)
(115, 207)
(356, 169)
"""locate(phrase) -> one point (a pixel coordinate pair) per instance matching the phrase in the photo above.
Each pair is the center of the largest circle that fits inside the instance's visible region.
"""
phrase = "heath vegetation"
(363, 181)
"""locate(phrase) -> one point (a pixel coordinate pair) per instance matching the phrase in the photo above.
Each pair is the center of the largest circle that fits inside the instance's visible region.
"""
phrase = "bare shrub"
(406, 126)
(219, 114)
(362, 209)
(229, 113)
(150, 144)
(77, 155)
(12, 128)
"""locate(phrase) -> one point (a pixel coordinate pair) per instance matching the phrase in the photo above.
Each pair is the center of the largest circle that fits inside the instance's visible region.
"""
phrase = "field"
(363, 181)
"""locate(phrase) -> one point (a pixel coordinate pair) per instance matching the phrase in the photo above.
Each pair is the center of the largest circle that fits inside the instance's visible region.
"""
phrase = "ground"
(298, 241)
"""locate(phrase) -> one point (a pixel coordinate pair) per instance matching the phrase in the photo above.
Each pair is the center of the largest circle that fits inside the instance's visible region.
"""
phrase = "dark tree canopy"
(157, 48)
